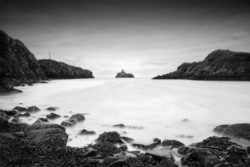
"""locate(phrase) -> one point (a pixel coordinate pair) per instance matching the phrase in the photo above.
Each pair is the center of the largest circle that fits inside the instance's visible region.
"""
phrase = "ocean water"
(149, 108)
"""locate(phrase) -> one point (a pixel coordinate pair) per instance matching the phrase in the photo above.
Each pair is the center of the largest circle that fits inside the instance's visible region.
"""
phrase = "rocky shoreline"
(45, 144)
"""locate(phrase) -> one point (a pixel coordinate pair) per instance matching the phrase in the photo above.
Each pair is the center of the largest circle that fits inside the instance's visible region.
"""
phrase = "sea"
(183, 110)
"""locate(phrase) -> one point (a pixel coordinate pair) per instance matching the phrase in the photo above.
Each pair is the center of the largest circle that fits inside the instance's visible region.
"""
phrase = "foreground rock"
(59, 70)
(48, 137)
(73, 120)
(241, 131)
(218, 65)
(123, 74)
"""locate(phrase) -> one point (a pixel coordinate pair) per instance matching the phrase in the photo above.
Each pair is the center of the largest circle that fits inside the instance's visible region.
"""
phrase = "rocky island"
(18, 66)
(123, 74)
(218, 65)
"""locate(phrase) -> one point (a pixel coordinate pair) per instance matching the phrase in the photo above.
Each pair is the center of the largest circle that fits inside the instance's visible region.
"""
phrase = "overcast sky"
(144, 37)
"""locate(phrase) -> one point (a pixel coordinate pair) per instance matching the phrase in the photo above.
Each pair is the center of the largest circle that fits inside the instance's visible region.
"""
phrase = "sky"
(143, 37)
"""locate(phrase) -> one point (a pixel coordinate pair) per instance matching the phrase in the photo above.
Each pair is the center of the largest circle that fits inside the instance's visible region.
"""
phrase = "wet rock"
(52, 116)
(32, 109)
(106, 149)
(15, 120)
(157, 140)
(24, 114)
(238, 131)
(18, 108)
(45, 125)
(172, 143)
(248, 150)
(127, 139)
(9, 112)
(160, 154)
(68, 123)
(110, 137)
(4, 125)
(90, 153)
(41, 120)
(19, 127)
(123, 147)
(87, 132)
(119, 163)
(51, 108)
(237, 150)
(77, 117)
(221, 143)
(183, 150)
(185, 120)
(52, 137)
(167, 163)
(220, 128)
(20, 134)
(4, 115)
(119, 125)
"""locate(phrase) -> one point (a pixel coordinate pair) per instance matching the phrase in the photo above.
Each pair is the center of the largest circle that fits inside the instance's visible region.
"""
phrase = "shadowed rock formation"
(18, 66)
(218, 65)
(59, 70)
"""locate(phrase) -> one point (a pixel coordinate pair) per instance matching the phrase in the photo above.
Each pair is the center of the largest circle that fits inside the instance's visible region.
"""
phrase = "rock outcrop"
(218, 65)
(18, 66)
(241, 131)
(59, 70)
(123, 74)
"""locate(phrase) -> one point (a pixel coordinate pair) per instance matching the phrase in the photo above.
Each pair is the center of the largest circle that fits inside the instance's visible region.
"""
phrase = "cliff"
(18, 66)
(123, 74)
(58, 70)
(17, 62)
(218, 65)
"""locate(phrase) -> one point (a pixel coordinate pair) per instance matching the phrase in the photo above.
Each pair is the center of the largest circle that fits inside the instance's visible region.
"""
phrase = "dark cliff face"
(123, 74)
(59, 70)
(16, 61)
(218, 65)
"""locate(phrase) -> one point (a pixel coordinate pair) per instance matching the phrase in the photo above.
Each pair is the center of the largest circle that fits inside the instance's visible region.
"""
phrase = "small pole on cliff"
(49, 56)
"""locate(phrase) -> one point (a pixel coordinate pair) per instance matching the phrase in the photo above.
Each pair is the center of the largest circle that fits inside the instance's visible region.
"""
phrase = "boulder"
(127, 139)
(52, 116)
(238, 131)
(24, 114)
(172, 143)
(4, 115)
(220, 128)
(9, 112)
(41, 120)
(33, 109)
(44, 125)
(77, 117)
(4, 125)
(52, 137)
(68, 123)
(109, 137)
(119, 125)
(18, 108)
(87, 132)
(51, 108)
